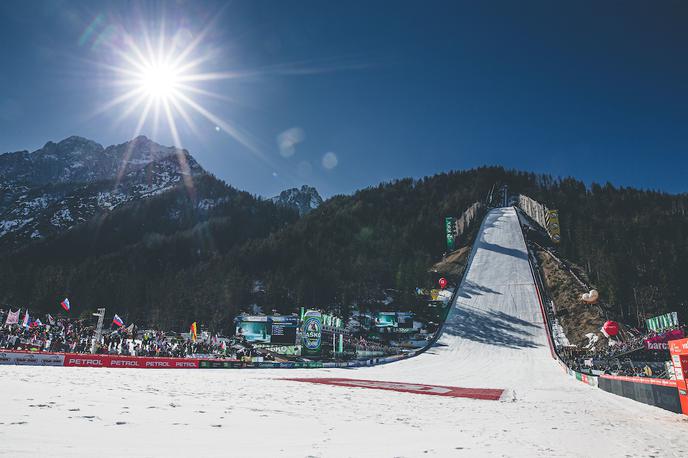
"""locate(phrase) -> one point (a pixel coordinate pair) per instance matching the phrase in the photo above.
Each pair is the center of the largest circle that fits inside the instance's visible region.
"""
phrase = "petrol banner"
(135, 362)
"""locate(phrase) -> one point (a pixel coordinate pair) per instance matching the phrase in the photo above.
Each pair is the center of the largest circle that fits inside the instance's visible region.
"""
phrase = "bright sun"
(162, 83)
(159, 81)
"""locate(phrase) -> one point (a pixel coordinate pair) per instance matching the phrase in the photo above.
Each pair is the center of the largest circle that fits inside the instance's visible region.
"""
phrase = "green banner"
(662, 322)
(209, 364)
(450, 228)
(311, 334)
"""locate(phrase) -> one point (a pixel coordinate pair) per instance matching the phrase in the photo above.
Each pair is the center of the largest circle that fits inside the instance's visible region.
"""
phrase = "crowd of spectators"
(361, 344)
(626, 356)
(78, 336)
(71, 335)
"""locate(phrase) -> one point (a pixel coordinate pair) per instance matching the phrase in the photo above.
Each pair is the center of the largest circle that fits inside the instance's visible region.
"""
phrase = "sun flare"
(163, 84)
(159, 81)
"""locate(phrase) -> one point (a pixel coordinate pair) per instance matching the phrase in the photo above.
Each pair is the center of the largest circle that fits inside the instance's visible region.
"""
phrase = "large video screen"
(386, 320)
(253, 331)
(283, 330)
(405, 319)
(280, 330)
(283, 333)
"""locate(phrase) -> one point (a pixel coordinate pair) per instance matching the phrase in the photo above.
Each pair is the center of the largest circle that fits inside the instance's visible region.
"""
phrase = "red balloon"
(611, 328)
(443, 282)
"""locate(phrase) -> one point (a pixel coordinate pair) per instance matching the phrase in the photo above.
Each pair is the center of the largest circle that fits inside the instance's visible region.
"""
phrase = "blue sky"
(595, 90)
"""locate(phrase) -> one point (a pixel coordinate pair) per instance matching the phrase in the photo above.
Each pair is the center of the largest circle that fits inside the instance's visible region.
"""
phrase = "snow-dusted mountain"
(303, 200)
(56, 187)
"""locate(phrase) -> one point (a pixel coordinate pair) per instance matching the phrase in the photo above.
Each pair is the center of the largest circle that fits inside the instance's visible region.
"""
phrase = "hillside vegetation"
(169, 260)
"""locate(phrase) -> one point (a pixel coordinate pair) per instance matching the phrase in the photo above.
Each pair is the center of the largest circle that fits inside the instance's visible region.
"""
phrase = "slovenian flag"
(65, 304)
(26, 320)
(118, 321)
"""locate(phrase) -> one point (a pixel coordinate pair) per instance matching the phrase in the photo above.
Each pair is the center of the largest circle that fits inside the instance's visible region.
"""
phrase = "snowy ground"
(493, 339)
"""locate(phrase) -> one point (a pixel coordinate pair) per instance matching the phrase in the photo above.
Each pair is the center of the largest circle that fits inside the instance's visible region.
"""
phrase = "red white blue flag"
(27, 319)
(118, 321)
(65, 304)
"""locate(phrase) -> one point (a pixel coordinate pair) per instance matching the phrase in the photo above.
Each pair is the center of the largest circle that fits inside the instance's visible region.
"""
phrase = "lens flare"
(159, 81)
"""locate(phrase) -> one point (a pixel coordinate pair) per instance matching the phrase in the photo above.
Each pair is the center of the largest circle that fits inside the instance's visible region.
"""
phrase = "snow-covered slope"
(494, 338)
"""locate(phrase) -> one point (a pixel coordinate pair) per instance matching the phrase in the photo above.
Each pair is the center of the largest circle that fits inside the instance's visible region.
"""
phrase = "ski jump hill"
(488, 387)
(494, 335)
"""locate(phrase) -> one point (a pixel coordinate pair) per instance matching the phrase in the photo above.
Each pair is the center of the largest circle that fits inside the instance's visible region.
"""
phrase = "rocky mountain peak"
(304, 199)
(63, 184)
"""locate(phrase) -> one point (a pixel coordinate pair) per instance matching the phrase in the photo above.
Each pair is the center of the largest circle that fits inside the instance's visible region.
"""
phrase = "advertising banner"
(31, 359)
(450, 228)
(219, 364)
(661, 341)
(552, 218)
(434, 390)
(661, 322)
(311, 334)
(140, 362)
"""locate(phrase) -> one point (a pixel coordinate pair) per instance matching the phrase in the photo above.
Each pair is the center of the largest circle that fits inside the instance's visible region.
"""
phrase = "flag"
(13, 317)
(25, 321)
(51, 320)
(118, 321)
(193, 331)
(38, 322)
(65, 304)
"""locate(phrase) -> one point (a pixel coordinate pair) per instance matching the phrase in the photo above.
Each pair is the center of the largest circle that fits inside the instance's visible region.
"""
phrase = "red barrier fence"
(140, 362)
(31, 358)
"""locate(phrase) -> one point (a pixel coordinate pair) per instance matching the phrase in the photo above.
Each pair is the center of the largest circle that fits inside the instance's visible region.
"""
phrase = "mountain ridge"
(304, 199)
(192, 248)
(60, 185)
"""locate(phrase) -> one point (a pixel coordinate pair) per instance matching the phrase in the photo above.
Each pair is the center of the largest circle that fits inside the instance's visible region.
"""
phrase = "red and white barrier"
(136, 362)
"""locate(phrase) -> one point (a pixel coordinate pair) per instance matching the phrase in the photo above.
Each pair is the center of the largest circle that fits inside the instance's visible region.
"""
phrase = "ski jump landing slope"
(494, 338)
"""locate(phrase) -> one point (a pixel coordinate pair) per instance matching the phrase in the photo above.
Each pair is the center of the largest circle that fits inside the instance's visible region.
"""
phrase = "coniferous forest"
(207, 252)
